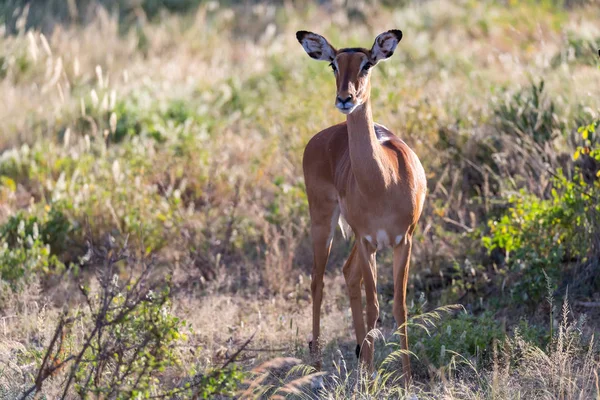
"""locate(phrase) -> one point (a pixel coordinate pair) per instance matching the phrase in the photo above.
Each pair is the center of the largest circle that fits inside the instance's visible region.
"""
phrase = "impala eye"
(332, 65)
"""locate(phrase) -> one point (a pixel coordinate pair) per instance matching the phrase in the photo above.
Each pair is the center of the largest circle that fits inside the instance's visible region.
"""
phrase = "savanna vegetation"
(153, 217)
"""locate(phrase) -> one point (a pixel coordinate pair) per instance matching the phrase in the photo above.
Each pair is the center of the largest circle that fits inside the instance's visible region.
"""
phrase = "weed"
(530, 113)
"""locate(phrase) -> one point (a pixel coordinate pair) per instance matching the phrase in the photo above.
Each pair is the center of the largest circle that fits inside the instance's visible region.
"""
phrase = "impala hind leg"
(401, 265)
(353, 276)
(368, 267)
(324, 216)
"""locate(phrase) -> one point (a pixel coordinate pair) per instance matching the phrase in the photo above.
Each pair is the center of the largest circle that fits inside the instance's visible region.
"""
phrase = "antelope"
(362, 172)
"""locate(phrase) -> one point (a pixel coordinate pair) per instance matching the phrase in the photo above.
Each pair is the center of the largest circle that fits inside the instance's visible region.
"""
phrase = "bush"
(52, 228)
(30, 245)
(538, 236)
(468, 335)
(126, 339)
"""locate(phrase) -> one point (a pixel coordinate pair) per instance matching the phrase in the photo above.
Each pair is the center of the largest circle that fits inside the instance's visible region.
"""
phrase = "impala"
(362, 172)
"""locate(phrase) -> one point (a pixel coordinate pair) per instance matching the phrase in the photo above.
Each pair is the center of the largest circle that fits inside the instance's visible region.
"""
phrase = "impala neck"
(366, 153)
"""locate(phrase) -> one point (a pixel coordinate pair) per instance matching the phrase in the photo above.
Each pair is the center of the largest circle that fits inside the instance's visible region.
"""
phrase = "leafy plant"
(469, 335)
(30, 244)
(129, 339)
(587, 154)
(538, 236)
(222, 381)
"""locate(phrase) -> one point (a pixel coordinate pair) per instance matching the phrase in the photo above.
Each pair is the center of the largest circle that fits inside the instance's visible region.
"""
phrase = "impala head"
(352, 66)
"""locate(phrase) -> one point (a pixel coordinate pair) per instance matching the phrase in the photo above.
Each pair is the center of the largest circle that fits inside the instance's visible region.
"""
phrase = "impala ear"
(385, 44)
(316, 46)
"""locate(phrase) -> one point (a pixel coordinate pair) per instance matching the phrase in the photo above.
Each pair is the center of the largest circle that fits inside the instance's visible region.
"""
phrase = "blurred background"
(150, 160)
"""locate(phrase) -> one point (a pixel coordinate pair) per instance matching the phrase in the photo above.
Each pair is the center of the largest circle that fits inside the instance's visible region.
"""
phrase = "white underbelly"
(381, 239)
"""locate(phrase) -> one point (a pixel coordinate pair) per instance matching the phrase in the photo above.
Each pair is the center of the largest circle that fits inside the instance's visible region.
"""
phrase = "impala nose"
(344, 101)
(345, 105)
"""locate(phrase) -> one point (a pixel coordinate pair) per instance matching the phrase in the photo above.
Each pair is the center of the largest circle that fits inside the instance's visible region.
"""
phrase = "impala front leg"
(369, 275)
(353, 276)
(322, 234)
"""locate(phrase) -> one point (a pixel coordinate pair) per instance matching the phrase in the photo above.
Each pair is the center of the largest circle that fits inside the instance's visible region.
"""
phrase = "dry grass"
(567, 369)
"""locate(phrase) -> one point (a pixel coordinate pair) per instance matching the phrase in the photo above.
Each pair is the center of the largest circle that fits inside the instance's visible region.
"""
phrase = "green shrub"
(124, 120)
(128, 118)
(118, 191)
(223, 381)
(30, 245)
(468, 335)
(541, 236)
(126, 340)
(587, 155)
(128, 122)
(136, 335)
(53, 228)
(179, 111)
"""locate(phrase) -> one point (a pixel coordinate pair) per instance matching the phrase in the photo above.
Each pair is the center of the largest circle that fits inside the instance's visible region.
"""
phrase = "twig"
(49, 373)
(577, 185)
(456, 223)
(4, 321)
(44, 372)
(230, 223)
(195, 395)
(242, 347)
(267, 350)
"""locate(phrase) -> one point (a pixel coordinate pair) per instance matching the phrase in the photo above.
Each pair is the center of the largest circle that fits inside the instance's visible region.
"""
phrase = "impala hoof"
(317, 384)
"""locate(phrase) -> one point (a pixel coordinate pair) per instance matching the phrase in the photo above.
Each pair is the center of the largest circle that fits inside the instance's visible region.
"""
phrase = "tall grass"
(566, 369)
